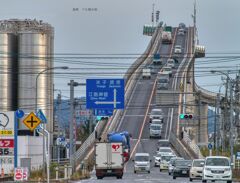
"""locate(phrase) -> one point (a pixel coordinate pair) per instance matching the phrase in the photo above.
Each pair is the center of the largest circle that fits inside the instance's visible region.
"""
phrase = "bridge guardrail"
(192, 145)
(176, 143)
(88, 144)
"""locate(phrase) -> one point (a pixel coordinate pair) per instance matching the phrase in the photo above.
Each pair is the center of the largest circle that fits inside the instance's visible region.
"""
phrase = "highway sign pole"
(15, 141)
(231, 120)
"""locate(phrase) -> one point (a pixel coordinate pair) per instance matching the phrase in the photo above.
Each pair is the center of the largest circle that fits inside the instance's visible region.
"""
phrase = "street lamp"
(230, 85)
(43, 71)
(36, 105)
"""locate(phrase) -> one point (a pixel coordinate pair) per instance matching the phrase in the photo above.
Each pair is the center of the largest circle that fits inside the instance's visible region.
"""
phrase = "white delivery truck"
(146, 72)
(166, 37)
(109, 159)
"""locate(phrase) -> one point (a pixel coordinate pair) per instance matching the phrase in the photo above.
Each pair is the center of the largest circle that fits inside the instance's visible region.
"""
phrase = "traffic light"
(185, 116)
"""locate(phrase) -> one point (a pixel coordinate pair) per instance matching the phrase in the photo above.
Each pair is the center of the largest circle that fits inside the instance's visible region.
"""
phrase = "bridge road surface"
(133, 120)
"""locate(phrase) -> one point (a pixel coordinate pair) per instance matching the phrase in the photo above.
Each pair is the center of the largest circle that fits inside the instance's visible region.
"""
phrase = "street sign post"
(105, 93)
(31, 121)
(19, 113)
(41, 116)
(210, 146)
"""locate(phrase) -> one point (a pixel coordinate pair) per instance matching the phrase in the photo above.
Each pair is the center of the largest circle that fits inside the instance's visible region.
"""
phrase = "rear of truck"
(109, 160)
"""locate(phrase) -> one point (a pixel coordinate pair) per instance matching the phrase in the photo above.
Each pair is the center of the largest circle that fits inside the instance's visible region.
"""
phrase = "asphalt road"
(136, 121)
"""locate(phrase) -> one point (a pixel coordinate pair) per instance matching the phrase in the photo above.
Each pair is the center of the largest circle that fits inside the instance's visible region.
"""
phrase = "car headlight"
(227, 169)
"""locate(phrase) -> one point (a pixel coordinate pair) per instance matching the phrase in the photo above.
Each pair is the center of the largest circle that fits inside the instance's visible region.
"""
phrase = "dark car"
(181, 168)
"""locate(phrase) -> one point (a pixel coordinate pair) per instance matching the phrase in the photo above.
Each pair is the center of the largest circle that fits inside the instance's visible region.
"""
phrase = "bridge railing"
(130, 81)
(194, 147)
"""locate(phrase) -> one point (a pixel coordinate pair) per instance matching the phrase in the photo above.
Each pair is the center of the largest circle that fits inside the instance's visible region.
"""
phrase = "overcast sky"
(116, 27)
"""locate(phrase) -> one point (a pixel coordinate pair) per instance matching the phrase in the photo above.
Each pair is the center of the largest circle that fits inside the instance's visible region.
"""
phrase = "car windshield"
(163, 143)
(217, 162)
(183, 163)
(158, 155)
(163, 81)
(165, 150)
(141, 158)
(166, 158)
(170, 61)
(198, 163)
(155, 127)
(167, 69)
(156, 112)
(178, 47)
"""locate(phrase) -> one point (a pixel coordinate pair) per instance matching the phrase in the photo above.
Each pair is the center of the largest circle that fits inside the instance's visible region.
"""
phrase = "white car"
(155, 130)
(217, 168)
(178, 49)
(157, 121)
(156, 114)
(165, 150)
(196, 169)
(181, 32)
(167, 70)
(164, 162)
(172, 164)
(171, 63)
(157, 159)
(142, 162)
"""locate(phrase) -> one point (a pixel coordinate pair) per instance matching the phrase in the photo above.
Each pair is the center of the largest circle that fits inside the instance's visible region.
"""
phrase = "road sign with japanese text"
(105, 94)
(31, 121)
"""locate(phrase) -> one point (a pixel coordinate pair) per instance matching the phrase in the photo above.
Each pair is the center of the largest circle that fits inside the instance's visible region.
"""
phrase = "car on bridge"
(165, 151)
(181, 32)
(157, 159)
(171, 63)
(181, 168)
(178, 49)
(164, 161)
(172, 164)
(217, 168)
(142, 162)
(196, 169)
(166, 70)
(155, 130)
(156, 114)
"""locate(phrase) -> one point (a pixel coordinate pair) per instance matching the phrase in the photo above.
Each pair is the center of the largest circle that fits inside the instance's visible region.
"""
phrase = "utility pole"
(153, 14)
(217, 122)
(59, 101)
(231, 120)
(199, 118)
(215, 125)
(225, 115)
(237, 113)
(72, 84)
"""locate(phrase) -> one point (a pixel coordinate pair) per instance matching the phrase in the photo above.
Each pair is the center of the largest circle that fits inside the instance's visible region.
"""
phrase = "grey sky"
(116, 26)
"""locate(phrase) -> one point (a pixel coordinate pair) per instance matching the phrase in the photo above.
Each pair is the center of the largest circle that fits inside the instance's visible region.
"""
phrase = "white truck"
(166, 37)
(146, 73)
(109, 159)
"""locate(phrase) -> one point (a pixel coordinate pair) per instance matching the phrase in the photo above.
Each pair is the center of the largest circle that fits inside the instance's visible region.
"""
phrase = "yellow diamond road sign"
(31, 121)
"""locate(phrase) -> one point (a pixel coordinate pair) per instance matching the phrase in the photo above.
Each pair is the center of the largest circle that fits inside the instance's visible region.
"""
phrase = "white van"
(217, 168)
(142, 162)
(170, 63)
(155, 130)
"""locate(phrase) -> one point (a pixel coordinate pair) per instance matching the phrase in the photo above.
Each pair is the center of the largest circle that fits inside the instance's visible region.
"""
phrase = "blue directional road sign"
(103, 112)
(105, 94)
(41, 116)
(210, 146)
(19, 113)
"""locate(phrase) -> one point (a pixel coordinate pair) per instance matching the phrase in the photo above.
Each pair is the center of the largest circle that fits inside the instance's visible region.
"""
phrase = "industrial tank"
(8, 66)
(35, 50)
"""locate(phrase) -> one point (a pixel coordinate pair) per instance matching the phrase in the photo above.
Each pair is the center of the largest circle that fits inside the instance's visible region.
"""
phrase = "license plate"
(184, 172)
(218, 177)
(109, 171)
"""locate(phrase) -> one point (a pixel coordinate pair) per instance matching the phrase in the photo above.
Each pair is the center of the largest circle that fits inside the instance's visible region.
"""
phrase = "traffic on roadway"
(139, 150)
